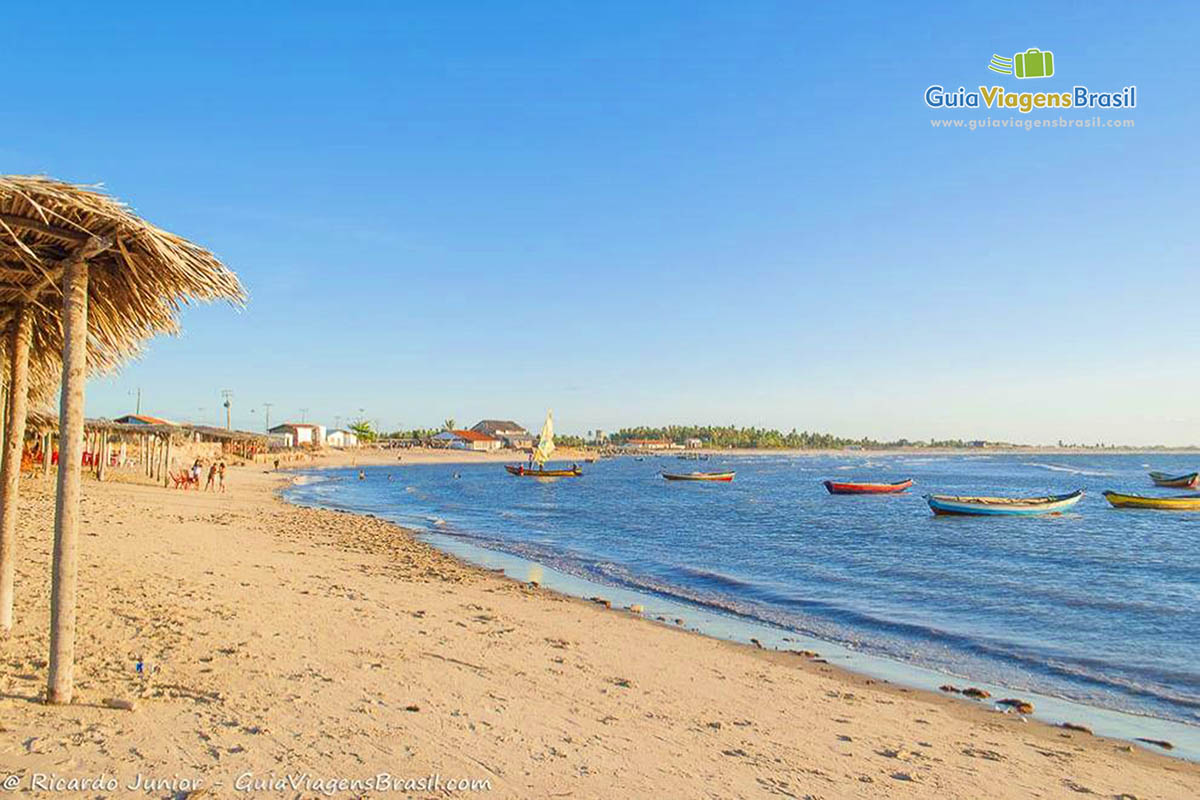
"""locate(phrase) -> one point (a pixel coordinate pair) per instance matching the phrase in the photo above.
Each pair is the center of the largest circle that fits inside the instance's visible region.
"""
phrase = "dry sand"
(281, 641)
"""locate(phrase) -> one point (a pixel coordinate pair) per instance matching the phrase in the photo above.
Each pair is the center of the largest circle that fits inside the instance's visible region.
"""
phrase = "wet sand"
(278, 642)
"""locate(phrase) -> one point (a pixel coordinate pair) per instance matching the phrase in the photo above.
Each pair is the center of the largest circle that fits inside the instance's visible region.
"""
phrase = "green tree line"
(764, 438)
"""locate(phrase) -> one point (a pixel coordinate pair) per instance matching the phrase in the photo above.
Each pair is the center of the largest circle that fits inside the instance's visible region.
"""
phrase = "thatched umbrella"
(83, 282)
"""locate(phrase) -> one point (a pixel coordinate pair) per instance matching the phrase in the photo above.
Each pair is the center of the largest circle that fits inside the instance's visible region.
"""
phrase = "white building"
(302, 434)
(341, 438)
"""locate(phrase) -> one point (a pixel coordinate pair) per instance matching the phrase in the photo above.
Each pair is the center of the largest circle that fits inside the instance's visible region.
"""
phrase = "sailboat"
(541, 454)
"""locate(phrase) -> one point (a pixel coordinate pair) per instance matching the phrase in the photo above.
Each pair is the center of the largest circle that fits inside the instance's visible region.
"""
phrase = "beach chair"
(181, 479)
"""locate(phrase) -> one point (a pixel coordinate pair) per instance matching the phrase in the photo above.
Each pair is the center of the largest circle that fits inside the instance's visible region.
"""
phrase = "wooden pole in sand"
(102, 463)
(61, 682)
(4, 413)
(14, 446)
(167, 461)
(48, 450)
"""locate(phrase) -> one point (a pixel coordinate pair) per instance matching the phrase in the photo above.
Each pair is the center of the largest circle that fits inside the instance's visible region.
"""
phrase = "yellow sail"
(545, 446)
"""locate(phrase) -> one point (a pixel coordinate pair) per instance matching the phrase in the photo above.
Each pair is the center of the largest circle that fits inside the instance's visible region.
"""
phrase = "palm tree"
(448, 424)
(363, 430)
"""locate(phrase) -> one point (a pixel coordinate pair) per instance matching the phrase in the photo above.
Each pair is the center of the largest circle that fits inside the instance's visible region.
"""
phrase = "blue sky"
(642, 213)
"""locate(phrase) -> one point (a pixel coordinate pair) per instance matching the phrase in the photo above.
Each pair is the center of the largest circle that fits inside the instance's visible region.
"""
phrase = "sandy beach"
(285, 649)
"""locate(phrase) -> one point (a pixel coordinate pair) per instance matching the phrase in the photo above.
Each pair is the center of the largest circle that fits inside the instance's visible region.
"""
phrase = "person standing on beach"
(221, 476)
(212, 474)
(196, 474)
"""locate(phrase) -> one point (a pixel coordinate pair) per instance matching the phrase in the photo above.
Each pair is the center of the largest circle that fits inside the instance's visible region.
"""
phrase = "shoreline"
(371, 456)
(280, 640)
(728, 626)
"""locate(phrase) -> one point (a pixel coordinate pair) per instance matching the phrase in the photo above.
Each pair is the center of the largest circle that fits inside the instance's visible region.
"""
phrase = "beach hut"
(83, 283)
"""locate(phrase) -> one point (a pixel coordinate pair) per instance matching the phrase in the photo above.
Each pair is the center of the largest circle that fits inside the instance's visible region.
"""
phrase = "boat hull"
(837, 487)
(1187, 502)
(525, 472)
(721, 477)
(945, 505)
(1191, 481)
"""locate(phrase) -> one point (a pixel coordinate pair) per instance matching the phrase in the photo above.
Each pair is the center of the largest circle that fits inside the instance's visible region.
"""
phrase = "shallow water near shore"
(1098, 606)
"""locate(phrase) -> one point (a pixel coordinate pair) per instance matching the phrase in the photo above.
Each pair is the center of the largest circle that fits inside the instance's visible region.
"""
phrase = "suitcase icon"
(1033, 63)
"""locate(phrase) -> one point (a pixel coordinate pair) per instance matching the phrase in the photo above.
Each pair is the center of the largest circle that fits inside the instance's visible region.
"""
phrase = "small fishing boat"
(542, 472)
(1002, 506)
(699, 476)
(1190, 481)
(849, 487)
(1183, 502)
(541, 454)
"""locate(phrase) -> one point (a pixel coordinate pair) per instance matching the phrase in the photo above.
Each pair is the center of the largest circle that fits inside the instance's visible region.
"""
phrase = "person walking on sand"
(196, 474)
(221, 476)
(212, 474)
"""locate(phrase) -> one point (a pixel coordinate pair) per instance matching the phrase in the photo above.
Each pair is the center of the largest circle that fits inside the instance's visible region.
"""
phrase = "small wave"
(1072, 470)
(309, 480)
(710, 576)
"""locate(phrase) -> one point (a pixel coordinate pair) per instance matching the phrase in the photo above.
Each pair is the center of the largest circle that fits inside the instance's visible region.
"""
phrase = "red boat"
(836, 487)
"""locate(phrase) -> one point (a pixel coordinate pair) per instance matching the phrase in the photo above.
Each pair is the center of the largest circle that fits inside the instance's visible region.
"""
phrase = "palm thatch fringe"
(138, 282)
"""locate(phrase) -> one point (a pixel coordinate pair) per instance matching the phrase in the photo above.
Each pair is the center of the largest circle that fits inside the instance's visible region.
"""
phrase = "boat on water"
(854, 487)
(699, 476)
(1182, 502)
(1190, 481)
(1002, 506)
(536, 468)
(542, 472)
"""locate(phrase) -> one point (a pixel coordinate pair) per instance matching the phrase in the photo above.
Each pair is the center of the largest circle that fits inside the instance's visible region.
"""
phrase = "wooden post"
(167, 461)
(4, 413)
(102, 448)
(47, 455)
(61, 681)
(14, 447)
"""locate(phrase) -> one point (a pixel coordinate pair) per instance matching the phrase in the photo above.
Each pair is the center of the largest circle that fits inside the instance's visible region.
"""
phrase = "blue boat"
(1002, 506)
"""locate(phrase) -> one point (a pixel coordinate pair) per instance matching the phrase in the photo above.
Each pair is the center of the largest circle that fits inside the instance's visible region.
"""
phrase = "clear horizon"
(686, 214)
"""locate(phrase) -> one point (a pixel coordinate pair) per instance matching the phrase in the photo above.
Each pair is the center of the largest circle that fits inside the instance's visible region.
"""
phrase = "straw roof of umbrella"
(139, 275)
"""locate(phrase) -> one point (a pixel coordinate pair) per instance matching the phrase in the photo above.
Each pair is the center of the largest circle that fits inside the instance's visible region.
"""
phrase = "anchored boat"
(700, 476)
(542, 472)
(847, 487)
(1185, 502)
(1003, 506)
(541, 454)
(1176, 482)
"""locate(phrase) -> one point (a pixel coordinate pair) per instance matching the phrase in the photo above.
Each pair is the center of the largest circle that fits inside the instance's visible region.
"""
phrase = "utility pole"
(227, 396)
(267, 406)
(304, 415)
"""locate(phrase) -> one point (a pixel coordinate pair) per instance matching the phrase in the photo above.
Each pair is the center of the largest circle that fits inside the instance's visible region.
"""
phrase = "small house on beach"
(508, 432)
(300, 434)
(649, 444)
(340, 437)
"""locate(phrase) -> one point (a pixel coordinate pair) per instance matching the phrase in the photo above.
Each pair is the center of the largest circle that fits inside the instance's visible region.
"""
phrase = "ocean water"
(1098, 606)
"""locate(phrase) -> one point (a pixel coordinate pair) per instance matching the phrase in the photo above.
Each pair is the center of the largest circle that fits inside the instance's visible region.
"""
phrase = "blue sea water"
(1099, 606)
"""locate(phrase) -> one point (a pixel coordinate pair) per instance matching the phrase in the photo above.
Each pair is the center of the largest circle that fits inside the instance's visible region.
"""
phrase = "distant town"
(502, 434)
